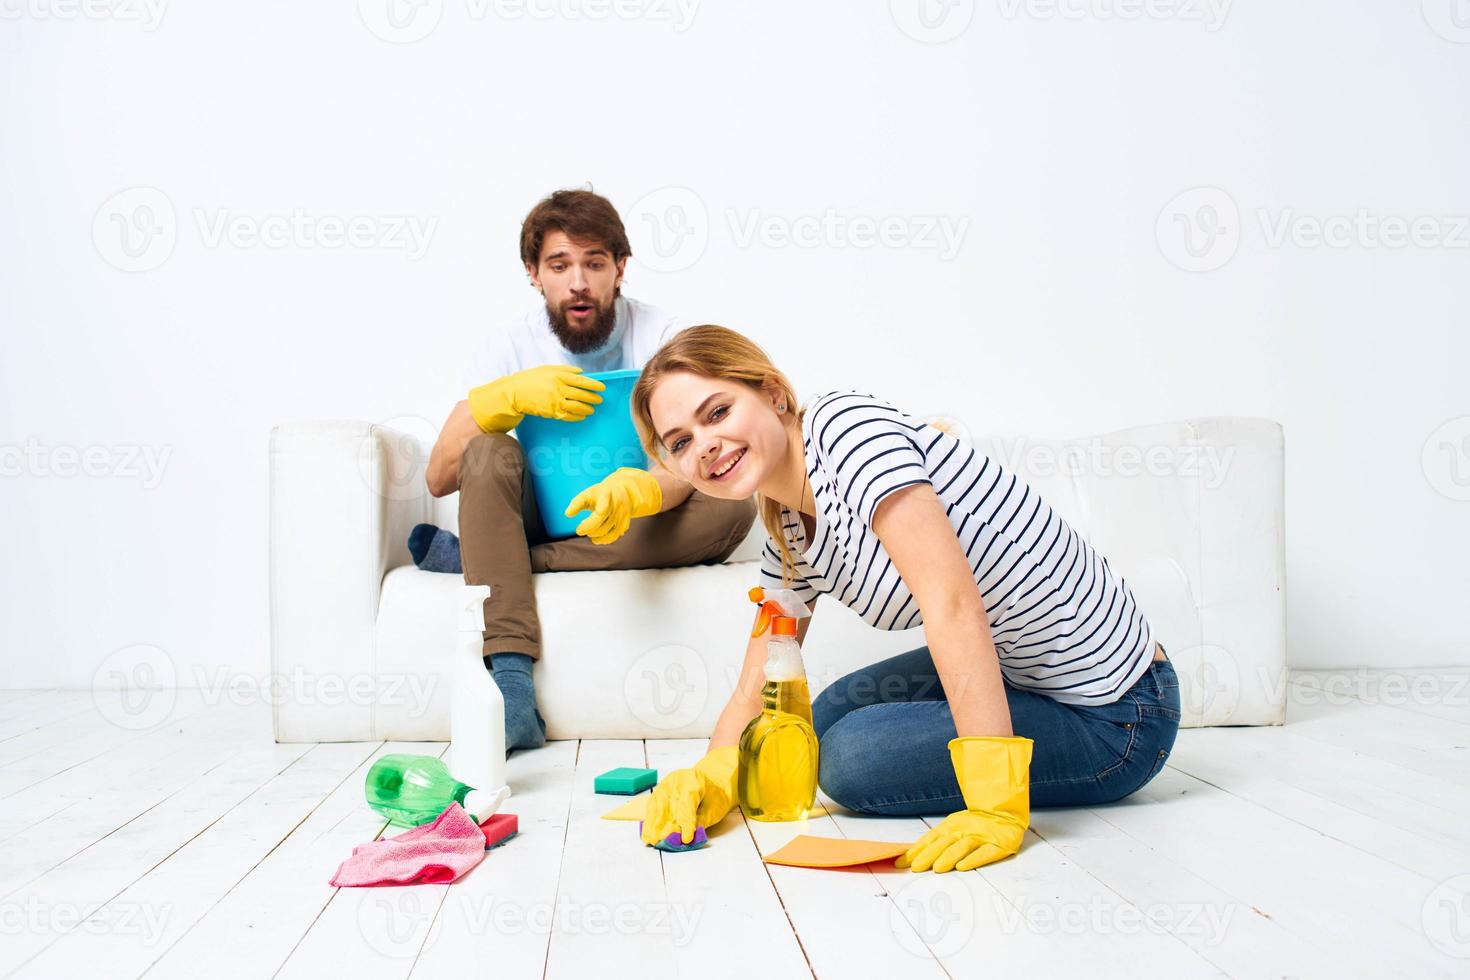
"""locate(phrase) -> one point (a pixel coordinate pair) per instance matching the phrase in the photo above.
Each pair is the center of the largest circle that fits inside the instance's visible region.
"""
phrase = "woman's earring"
(781, 407)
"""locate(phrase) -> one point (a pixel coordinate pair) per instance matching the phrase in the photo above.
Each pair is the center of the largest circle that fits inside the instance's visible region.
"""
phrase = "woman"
(1041, 679)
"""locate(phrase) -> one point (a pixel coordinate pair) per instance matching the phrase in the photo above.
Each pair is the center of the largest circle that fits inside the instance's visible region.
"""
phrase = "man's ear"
(535, 279)
(622, 265)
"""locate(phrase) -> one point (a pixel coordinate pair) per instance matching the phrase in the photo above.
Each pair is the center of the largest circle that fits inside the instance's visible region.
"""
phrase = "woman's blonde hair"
(718, 352)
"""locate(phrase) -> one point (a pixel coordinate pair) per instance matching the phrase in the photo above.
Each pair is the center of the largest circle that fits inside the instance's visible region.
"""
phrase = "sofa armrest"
(343, 497)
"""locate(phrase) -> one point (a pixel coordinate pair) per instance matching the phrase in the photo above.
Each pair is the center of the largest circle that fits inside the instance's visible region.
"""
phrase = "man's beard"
(581, 340)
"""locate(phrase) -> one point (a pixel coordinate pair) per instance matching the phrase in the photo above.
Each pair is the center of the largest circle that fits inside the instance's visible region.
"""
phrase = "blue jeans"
(885, 730)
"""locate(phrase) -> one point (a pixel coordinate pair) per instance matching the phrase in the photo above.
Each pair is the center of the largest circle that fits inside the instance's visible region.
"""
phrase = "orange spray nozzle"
(772, 615)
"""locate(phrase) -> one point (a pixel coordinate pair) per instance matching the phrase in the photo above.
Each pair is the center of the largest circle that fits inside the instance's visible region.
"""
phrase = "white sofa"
(1189, 512)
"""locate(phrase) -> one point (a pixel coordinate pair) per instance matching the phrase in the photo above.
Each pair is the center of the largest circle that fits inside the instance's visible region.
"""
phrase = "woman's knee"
(840, 768)
(829, 706)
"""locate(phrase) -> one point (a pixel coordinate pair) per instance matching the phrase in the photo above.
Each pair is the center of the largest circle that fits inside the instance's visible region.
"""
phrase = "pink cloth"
(434, 854)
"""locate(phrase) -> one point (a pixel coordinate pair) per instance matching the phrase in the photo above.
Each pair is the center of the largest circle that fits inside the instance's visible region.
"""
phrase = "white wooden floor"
(1336, 846)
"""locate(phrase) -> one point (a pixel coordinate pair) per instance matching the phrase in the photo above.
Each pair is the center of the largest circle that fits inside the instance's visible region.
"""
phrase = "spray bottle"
(778, 750)
(477, 712)
(411, 790)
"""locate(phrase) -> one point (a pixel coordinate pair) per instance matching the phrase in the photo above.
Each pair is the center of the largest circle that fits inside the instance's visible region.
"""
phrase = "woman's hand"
(696, 797)
(995, 780)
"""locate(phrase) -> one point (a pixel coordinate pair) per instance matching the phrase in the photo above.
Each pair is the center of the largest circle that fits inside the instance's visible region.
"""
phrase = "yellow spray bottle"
(778, 750)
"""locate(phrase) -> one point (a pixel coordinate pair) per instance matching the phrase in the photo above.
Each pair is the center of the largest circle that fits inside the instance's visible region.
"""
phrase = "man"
(574, 249)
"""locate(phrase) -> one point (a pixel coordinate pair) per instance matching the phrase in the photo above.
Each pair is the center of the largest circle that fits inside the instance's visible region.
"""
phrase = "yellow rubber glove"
(552, 391)
(995, 779)
(615, 501)
(695, 797)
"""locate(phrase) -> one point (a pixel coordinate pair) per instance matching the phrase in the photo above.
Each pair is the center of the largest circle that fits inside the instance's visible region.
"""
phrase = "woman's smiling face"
(724, 437)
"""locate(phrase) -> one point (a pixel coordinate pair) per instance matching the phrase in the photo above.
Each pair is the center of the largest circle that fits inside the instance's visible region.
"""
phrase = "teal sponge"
(625, 781)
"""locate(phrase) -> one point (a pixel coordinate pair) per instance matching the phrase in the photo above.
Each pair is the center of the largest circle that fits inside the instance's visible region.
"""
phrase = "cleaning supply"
(554, 391)
(778, 749)
(632, 810)
(412, 790)
(625, 781)
(477, 713)
(499, 828)
(806, 851)
(688, 799)
(994, 774)
(615, 501)
(674, 843)
(434, 854)
(564, 458)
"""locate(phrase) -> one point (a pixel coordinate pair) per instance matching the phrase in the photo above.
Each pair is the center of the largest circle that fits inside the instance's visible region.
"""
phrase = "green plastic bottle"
(411, 790)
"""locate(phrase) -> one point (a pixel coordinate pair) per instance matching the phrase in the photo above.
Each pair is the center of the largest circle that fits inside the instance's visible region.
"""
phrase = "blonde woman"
(1041, 681)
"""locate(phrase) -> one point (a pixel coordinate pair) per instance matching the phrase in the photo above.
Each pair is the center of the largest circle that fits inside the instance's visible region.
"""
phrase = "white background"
(1057, 137)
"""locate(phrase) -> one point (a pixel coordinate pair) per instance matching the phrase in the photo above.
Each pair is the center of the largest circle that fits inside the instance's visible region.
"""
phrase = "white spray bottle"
(477, 714)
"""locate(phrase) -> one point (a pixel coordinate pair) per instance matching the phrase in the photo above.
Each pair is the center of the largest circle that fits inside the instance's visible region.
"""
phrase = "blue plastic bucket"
(565, 458)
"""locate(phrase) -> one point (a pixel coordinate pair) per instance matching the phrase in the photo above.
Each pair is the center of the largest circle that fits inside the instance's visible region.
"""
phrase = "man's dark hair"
(580, 215)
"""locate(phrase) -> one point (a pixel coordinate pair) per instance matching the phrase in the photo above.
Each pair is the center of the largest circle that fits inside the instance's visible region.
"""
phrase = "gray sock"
(524, 727)
(434, 549)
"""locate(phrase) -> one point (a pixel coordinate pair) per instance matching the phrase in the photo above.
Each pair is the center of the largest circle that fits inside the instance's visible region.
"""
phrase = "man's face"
(580, 281)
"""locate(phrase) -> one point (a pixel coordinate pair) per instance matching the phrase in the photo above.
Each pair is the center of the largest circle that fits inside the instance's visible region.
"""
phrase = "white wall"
(1056, 136)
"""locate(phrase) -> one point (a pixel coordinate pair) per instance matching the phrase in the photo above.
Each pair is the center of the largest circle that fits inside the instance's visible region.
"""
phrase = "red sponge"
(499, 828)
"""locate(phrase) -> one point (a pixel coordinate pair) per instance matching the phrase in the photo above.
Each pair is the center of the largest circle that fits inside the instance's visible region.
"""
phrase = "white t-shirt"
(1064, 624)
(528, 342)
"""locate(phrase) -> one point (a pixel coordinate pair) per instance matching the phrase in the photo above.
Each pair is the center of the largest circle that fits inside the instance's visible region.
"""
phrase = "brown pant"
(502, 541)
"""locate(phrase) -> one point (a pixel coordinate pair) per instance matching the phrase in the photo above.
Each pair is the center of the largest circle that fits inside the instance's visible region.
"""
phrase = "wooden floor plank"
(60, 899)
(105, 792)
(737, 904)
(365, 933)
(1366, 911)
(1315, 849)
(176, 893)
(10, 695)
(42, 709)
(827, 907)
(1222, 927)
(112, 806)
(252, 930)
(101, 736)
(1423, 743)
(483, 919)
(612, 913)
(87, 727)
(1021, 914)
(1390, 832)
(1425, 805)
(1441, 692)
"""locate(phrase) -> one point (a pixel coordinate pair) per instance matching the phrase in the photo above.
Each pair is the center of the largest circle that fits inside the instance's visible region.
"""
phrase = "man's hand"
(552, 391)
(614, 502)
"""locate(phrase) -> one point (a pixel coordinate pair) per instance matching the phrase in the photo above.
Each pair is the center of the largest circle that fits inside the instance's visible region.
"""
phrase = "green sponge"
(625, 781)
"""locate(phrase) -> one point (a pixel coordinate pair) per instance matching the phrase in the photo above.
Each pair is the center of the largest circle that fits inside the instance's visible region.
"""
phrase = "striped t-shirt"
(1064, 624)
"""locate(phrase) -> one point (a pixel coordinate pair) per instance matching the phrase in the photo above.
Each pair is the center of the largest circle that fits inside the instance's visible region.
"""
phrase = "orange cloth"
(632, 810)
(805, 851)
